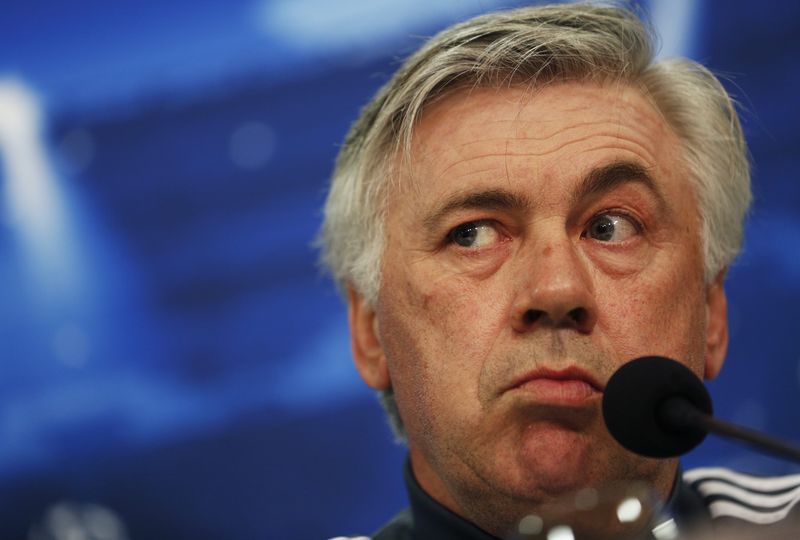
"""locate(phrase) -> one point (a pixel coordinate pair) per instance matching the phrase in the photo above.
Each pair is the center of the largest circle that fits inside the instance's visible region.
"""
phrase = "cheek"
(444, 307)
(437, 335)
(666, 320)
(467, 313)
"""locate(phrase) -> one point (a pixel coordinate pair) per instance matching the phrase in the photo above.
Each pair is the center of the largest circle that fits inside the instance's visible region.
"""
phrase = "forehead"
(561, 130)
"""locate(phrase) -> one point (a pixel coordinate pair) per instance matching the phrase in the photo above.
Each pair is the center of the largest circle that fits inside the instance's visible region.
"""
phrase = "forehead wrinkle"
(540, 153)
(552, 134)
(472, 142)
(605, 140)
(479, 172)
(471, 158)
(559, 147)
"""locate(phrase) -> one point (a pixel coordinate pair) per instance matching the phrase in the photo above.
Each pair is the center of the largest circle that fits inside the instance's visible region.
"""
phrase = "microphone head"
(632, 399)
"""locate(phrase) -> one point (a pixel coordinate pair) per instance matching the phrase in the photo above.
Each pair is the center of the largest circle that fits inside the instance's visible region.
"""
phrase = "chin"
(557, 460)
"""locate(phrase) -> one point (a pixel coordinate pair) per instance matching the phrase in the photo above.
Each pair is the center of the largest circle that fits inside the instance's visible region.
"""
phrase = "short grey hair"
(533, 47)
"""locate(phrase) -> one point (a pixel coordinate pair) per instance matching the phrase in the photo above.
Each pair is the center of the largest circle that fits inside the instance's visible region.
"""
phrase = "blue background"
(172, 361)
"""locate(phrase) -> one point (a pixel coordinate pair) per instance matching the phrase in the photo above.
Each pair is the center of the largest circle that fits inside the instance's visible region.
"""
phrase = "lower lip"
(559, 392)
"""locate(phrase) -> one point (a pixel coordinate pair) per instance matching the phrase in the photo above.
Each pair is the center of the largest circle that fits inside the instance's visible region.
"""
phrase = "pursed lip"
(570, 384)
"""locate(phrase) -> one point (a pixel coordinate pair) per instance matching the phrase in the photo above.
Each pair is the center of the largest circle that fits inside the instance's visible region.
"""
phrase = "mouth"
(571, 386)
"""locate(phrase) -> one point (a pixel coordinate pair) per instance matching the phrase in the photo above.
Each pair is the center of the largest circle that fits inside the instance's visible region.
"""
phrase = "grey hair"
(533, 46)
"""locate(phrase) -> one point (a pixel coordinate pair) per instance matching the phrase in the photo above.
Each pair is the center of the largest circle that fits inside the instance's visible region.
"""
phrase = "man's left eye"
(475, 234)
(611, 228)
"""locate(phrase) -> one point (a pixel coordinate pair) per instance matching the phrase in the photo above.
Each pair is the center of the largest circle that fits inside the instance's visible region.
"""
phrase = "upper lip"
(558, 374)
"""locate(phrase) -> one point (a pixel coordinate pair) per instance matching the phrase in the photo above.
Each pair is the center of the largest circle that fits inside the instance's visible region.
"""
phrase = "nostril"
(579, 315)
(531, 316)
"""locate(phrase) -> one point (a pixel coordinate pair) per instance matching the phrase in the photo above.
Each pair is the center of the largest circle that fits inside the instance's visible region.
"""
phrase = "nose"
(556, 291)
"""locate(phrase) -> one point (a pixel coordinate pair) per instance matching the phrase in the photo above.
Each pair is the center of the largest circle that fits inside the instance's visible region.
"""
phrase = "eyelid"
(631, 219)
(450, 240)
(464, 223)
(469, 222)
(619, 212)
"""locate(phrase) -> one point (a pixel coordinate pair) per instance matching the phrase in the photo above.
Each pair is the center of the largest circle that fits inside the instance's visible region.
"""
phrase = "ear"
(365, 342)
(716, 326)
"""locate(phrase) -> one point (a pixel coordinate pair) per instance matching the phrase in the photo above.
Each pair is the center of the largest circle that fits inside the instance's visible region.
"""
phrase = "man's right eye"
(474, 234)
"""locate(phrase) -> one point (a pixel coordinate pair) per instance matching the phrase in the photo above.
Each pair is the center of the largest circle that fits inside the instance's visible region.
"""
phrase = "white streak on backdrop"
(313, 26)
(91, 371)
(34, 206)
(676, 22)
(69, 342)
(319, 26)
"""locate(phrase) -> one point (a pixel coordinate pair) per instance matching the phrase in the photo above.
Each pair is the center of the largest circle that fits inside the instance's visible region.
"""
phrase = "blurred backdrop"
(172, 362)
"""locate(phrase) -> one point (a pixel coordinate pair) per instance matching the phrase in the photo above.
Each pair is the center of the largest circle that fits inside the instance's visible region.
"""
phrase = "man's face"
(540, 242)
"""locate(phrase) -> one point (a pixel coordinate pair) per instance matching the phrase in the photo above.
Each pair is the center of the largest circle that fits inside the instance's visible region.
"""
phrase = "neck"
(591, 508)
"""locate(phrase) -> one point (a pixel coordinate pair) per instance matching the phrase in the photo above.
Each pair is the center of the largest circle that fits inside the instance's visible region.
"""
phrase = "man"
(527, 205)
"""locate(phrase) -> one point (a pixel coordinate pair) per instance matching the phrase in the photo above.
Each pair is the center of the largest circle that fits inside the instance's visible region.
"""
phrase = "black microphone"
(658, 407)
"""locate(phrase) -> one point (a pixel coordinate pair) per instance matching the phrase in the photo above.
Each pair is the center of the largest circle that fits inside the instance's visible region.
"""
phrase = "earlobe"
(716, 326)
(364, 339)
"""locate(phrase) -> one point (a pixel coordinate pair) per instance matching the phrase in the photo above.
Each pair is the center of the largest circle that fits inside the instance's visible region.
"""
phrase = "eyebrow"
(609, 177)
(599, 181)
(490, 199)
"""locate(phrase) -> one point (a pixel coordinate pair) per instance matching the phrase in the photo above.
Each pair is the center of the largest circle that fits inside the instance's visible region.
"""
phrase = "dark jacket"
(707, 503)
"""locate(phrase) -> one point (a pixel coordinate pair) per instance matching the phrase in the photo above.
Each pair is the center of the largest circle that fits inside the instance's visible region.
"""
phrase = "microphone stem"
(679, 412)
(753, 438)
